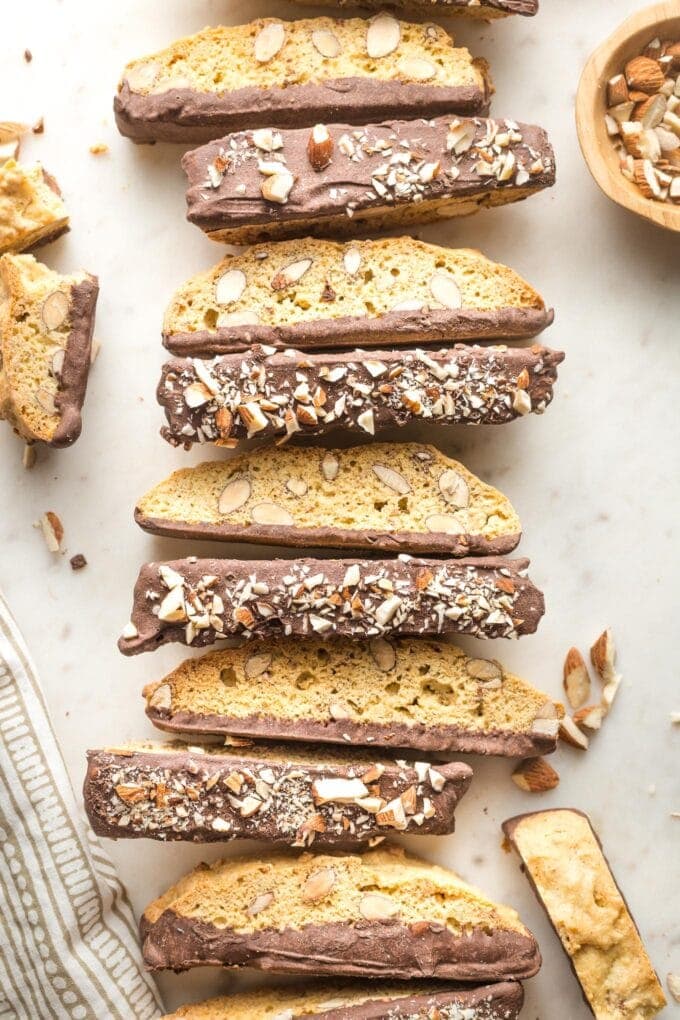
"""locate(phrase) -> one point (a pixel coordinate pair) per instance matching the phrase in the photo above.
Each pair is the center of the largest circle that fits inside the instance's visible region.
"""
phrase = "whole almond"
(260, 903)
(376, 907)
(603, 656)
(326, 43)
(483, 669)
(271, 514)
(383, 654)
(391, 478)
(576, 678)
(55, 309)
(318, 885)
(234, 495)
(268, 42)
(383, 36)
(319, 147)
(644, 75)
(230, 286)
(454, 488)
(535, 775)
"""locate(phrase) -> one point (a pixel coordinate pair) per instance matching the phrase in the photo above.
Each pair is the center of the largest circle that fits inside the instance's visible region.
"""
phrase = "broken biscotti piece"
(394, 497)
(381, 914)
(283, 795)
(486, 10)
(316, 293)
(31, 208)
(564, 862)
(342, 180)
(198, 602)
(426, 696)
(372, 1001)
(272, 394)
(46, 324)
(286, 73)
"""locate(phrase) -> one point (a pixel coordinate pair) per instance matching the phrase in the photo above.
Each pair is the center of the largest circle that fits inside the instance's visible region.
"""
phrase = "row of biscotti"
(46, 319)
(391, 915)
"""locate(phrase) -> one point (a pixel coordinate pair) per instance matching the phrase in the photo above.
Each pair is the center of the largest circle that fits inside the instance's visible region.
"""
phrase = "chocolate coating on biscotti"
(183, 794)
(189, 116)
(431, 740)
(375, 168)
(388, 949)
(461, 385)
(75, 370)
(434, 325)
(202, 601)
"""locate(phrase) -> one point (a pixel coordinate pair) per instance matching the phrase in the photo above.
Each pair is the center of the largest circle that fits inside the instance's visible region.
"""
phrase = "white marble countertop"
(595, 479)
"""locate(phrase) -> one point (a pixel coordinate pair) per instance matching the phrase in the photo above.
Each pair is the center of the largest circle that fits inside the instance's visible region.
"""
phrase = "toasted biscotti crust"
(393, 497)
(316, 293)
(564, 862)
(199, 602)
(32, 212)
(382, 914)
(265, 393)
(427, 696)
(484, 10)
(385, 174)
(415, 1001)
(297, 73)
(46, 325)
(279, 794)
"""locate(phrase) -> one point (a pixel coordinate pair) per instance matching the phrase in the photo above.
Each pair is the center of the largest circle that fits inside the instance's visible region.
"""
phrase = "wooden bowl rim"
(591, 105)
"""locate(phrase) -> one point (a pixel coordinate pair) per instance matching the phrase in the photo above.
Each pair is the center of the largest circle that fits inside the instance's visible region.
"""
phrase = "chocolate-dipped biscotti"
(46, 324)
(198, 602)
(283, 795)
(486, 10)
(316, 293)
(32, 211)
(393, 497)
(295, 73)
(563, 859)
(382, 914)
(341, 179)
(368, 1001)
(280, 395)
(426, 696)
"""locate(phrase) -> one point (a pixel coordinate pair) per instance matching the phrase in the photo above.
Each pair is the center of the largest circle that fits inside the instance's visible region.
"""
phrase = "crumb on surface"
(78, 562)
(99, 148)
(39, 126)
(28, 56)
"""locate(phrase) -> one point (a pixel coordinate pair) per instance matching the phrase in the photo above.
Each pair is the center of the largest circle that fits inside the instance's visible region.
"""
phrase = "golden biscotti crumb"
(46, 323)
(425, 695)
(32, 211)
(400, 497)
(273, 72)
(566, 866)
(310, 913)
(311, 292)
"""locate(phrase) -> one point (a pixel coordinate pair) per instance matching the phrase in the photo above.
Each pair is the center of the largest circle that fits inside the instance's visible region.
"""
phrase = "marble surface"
(595, 479)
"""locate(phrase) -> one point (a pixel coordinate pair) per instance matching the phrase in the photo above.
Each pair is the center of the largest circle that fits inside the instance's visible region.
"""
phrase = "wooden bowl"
(662, 20)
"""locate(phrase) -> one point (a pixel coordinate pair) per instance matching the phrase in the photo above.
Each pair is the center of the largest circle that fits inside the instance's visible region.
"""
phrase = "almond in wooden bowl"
(596, 93)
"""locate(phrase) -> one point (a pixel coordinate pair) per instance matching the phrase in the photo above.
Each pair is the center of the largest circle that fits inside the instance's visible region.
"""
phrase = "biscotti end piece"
(200, 602)
(32, 211)
(310, 913)
(317, 293)
(393, 497)
(277, 73)
(373, 1001)
(265, 393)
(429, 697)
(564, 862)
(283, 795)
(482, 10)
(388, 174)
(46, 324)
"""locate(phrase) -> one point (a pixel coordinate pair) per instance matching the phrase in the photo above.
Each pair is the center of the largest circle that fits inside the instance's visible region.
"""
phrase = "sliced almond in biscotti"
(394, 902)
(417, 694)
(403, 496)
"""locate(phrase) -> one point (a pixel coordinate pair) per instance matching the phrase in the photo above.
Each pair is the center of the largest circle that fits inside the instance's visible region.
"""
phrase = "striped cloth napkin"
(68, 941)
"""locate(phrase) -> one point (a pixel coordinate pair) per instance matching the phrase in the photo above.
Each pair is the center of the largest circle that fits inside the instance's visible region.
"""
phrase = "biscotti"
(32, 211)
(563, 860)
(198, 602)
(374, 1001)
(392, 497)
(315, 293)
(342, 180)
(296, 73)
(487, 10)
(279, 395)
(381, 914)
(426, 696)
(285, 796)
(46, 324)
